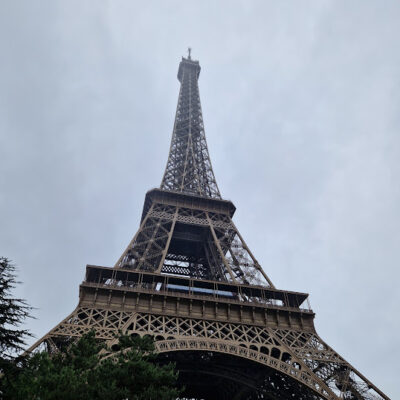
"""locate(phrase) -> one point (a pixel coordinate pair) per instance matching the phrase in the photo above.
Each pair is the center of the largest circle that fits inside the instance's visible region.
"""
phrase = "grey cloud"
(301, 114)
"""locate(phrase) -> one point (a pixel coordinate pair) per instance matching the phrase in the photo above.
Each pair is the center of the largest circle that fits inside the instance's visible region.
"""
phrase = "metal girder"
(198, 242)
(292, 353)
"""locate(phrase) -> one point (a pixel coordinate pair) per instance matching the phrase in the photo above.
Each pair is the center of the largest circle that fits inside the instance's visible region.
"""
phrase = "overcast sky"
(301, 109)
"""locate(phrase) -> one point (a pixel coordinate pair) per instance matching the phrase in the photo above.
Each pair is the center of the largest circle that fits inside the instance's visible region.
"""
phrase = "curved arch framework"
(288, 372)
(297, 355)
(218, 375)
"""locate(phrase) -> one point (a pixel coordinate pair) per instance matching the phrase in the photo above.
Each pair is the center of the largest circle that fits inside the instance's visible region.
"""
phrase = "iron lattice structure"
(189, 166)
(189, 279)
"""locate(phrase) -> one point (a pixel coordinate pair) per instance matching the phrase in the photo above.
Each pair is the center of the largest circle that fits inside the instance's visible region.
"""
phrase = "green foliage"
(13, 311)
(87, 370)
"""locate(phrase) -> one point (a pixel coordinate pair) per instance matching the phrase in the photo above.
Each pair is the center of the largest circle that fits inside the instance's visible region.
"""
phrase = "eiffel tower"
(188, 279)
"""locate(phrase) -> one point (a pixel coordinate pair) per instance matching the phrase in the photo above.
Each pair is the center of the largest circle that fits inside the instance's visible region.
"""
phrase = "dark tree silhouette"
(88, 370)
(13, 311)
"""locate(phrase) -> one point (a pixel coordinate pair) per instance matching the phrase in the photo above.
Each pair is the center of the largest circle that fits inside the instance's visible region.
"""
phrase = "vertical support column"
(256, 264)
(168, 241)
(134, 238)
(227, 266)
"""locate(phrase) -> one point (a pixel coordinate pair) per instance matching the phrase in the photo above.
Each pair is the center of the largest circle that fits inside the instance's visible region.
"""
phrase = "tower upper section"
(189, 167)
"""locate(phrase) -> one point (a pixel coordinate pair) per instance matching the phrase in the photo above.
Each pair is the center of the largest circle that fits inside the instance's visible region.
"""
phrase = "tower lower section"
(259, 341)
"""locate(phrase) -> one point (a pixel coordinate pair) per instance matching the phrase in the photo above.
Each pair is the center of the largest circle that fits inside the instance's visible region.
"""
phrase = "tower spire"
(189, 167)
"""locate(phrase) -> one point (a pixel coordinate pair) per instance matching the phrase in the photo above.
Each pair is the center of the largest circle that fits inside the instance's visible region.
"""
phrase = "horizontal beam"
(187, 200)
(102, 275)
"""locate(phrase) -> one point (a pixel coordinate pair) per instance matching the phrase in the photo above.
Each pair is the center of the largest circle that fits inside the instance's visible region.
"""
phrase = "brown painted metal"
(189, 279)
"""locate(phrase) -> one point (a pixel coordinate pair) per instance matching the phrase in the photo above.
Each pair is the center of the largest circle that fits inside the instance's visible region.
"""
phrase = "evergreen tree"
(13, 311)
(88, 370)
